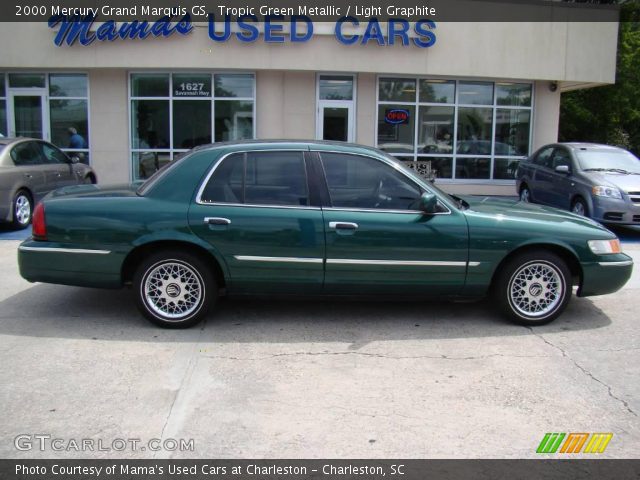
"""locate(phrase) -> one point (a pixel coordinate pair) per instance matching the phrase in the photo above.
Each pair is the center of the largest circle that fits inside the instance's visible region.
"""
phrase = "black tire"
(533, 288)
(579, 207)
(525, 194)
(22, 206)
(185, 288)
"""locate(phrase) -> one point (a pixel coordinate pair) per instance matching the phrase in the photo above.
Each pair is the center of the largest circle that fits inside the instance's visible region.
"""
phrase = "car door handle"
(217, 221)
(28, 175)
(343, 225)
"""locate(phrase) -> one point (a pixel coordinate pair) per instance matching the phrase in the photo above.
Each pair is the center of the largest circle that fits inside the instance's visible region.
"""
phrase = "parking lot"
(314, 380)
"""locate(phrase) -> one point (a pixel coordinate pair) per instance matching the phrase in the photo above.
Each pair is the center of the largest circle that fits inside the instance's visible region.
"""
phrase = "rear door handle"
(217, 221)
(343, 225)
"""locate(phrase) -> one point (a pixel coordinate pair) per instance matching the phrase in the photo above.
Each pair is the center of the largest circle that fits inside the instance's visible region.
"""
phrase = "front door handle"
(343, 225)
(217, 221)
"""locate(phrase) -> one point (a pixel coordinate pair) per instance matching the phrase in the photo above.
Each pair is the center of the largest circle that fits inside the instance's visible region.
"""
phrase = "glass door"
(336, 108)
(336, 122)
(28, 115)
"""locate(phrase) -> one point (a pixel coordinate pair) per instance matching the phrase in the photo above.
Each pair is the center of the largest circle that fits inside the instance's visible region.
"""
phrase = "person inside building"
(75, 139)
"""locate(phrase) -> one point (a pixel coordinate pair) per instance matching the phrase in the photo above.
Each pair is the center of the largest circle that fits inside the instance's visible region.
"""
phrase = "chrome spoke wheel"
(525, 195)
(536, 289)
(173, 290)
(22, 209)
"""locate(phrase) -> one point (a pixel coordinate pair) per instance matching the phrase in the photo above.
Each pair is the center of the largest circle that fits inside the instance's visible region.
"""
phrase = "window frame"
(398, 172)
(172, 152)
(303, 151)
(422, 157)
(46, 90)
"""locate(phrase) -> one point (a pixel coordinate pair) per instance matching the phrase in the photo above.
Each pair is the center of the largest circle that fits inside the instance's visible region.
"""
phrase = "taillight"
(38, 224)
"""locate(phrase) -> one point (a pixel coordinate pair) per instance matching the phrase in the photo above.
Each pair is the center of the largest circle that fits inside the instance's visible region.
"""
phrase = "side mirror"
(75, 159)
(428, 203)
(563, 169)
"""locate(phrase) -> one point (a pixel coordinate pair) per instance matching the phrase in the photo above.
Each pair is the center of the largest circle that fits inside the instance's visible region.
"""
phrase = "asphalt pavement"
(311, 379)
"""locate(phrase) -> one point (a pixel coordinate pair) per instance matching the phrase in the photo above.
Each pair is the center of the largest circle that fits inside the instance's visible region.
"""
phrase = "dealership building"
(466, 100)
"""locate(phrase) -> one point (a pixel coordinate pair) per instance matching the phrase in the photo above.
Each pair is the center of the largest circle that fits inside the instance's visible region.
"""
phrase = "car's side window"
(52, 154)
(26, 153)
(259, 178)
(276, 178)
(561, 158)
(361, 182)
(543, 159)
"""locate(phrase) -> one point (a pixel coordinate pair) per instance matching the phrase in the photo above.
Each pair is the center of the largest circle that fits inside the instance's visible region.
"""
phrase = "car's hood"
(625, 182)
(515, 209)
(91, 191)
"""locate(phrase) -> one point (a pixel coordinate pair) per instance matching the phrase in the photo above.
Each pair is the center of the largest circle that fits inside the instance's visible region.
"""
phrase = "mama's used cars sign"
(348, 30)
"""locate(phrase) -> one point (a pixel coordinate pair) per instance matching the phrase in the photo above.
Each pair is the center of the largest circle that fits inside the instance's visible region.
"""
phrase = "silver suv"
(597, 181)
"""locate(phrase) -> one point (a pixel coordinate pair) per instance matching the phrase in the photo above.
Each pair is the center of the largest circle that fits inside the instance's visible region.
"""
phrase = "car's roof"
(588, 145)
(282, 142)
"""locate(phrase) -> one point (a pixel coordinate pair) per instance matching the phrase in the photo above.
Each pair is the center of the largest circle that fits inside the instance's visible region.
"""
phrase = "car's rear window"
(155, 178)
(608, 159)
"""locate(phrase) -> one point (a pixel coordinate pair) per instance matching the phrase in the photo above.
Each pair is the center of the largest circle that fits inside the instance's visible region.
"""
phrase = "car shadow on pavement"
(55, 311)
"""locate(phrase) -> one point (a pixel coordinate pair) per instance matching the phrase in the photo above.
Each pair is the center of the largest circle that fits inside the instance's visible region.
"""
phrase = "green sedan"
(289, 218)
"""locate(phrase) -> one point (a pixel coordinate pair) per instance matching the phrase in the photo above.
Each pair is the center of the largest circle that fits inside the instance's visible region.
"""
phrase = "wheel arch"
(135, 256)
(563, 251)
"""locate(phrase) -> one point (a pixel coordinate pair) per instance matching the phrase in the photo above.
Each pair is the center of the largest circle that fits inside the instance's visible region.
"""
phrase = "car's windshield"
(608, 160)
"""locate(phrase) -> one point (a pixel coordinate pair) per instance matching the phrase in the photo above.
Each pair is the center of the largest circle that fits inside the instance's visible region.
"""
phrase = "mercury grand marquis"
(296, 218)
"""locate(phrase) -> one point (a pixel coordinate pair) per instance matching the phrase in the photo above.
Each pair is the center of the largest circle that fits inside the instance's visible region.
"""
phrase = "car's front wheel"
(534, 287)
(579, 207)
(174, 289)
(22, 210)
(525, 194)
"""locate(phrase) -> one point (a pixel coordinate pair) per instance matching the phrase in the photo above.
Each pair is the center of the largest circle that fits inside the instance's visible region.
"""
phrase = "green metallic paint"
(120, 220)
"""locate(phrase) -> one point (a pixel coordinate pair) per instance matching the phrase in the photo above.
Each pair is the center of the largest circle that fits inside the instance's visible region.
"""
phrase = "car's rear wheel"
(22, 209)
(534, 288)
(579, 207)
(174, 289)
(525, 194)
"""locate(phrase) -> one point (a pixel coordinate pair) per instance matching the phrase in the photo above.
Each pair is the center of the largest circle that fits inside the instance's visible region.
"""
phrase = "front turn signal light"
(605, 247)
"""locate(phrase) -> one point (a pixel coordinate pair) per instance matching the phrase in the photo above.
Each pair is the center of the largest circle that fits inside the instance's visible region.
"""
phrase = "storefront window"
(26, 80)
(475, 93)
(474, 131)
(174, 112)
(67, 85)
(513, 94)
(150, 85)
(69, 114)
(397, 90)
(234, 120)
(435, 130)
(150, 124)
(396, 128)
(437, 91)
(512, 131)
(464, 130)
(234, 85)
(191, 123)
(335, 87)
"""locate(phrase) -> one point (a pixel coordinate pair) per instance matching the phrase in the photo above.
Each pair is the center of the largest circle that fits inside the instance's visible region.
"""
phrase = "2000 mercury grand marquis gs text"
(313, 218)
